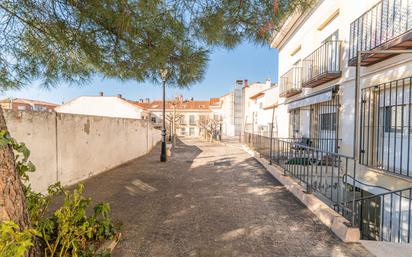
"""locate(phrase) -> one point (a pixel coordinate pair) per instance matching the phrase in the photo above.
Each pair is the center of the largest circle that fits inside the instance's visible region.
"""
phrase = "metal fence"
(383, 22)
(332, 176)
(385, 217)
(322, 172)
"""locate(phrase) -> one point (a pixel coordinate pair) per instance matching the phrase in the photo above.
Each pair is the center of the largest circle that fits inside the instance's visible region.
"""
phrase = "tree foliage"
(71, 40)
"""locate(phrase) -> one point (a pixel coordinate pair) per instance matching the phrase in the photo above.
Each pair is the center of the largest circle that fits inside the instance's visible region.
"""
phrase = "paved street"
(210, 200)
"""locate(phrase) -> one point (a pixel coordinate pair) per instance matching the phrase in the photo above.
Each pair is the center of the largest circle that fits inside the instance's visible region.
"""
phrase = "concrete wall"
(70, 148)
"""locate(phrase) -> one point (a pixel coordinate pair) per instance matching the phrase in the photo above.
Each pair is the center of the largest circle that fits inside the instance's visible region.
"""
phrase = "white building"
(188, 114)
(317, 53)
(107, 106)
(259, 99)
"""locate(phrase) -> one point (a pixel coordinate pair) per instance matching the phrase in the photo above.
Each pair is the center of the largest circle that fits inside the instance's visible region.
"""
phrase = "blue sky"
(247, 61)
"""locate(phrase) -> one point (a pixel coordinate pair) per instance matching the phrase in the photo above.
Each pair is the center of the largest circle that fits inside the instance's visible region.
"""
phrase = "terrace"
(290, 82)
(386, 26)
(322, 65)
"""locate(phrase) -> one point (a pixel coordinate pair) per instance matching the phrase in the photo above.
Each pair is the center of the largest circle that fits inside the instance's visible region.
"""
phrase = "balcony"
(322, 65)
(386, 26)
(290, 82)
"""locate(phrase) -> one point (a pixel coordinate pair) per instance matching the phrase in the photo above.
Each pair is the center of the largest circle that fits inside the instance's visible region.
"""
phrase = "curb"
(333, 220)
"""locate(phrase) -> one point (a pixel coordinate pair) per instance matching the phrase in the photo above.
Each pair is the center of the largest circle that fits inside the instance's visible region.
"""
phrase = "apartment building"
(27, 105)
(187, 114)
(259, 100)
(318, 52)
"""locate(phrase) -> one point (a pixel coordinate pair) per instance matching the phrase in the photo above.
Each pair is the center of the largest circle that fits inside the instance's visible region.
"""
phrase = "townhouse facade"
(187, 115)
(366, 128)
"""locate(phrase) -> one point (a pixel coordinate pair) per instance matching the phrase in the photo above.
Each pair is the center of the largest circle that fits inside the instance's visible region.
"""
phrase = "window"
(294, 122)
(192, 119)
(21, 107)
(191, 131)
(385, 140)
(154, 119)
(393, 118)
(182, 131)
(182, 120)
(333, 37)
(328, 121)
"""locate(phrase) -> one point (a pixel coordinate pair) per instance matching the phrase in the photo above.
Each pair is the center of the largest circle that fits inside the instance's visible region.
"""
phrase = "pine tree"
(58, 41)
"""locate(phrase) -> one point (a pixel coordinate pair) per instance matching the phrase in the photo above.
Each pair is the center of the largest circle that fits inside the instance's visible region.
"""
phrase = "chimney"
(141, 100)
(101, 93)
(119, 95)
(181, 99)
(246, 83)
(191, 99)
(147, 100)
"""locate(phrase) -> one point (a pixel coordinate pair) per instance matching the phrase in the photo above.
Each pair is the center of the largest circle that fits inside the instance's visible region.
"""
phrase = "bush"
(12, 242)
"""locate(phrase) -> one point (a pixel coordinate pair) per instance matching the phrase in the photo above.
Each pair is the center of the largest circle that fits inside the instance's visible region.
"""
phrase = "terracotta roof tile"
(186, 105)
(29, 101)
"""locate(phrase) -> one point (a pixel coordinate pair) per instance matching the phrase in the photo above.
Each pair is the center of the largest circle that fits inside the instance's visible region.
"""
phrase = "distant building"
(21, 104)
(189, 113)
(107, 106)
(258, 101)
(246, 107)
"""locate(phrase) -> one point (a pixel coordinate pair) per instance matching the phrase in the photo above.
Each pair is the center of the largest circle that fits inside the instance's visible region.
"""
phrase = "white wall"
(107, 106)
(309, 38)
(70, 148)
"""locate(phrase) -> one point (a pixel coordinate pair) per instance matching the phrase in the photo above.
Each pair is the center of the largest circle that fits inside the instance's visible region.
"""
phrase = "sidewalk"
(210, 200)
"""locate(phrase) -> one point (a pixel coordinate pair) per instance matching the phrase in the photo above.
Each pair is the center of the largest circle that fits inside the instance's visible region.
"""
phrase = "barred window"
(328, 121)
(385, 127)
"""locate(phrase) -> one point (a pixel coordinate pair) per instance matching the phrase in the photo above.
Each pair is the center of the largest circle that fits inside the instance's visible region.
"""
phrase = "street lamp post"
(163, 75)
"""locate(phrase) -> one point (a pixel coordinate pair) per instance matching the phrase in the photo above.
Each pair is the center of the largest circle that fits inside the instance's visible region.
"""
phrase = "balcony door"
(324, 125)
(331, 53)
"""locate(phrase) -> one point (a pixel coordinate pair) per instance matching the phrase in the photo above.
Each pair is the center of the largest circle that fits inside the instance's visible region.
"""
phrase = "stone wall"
(70, 148)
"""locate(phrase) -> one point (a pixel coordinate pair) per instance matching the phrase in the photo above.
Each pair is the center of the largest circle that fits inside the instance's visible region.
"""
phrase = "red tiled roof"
(214, 100)
(28, 101)
(139, 104)
(186, 105)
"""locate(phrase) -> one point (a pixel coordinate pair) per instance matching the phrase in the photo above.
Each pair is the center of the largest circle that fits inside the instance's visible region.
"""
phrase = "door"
(325, 124)
(331, 51)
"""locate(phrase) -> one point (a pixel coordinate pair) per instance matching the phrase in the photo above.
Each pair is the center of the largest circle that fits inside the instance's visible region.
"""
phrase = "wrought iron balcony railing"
(322, 65)
(387, 25)
(291, 82)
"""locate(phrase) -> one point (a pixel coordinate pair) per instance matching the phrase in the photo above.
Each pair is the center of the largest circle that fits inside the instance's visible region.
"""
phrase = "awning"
(312, 99)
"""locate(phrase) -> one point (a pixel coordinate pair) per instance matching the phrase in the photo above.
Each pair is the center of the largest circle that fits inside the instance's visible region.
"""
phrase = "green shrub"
(14, 243)
(70, 230)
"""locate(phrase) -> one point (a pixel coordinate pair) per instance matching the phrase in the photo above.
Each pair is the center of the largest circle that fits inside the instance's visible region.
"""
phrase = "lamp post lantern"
(163, 76)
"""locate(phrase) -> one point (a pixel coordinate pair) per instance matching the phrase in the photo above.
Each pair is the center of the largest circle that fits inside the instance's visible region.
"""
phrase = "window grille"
(385, 126)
